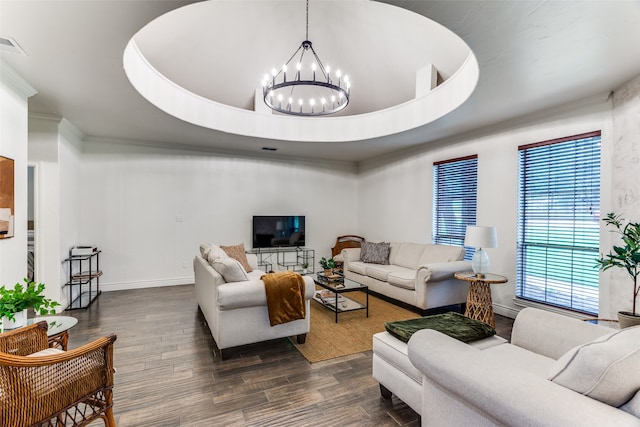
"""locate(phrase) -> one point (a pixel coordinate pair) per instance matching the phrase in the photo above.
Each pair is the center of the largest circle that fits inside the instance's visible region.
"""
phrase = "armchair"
(54, 387)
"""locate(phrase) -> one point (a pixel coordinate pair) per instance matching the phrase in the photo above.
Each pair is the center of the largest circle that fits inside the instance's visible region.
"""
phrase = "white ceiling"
(533, 56)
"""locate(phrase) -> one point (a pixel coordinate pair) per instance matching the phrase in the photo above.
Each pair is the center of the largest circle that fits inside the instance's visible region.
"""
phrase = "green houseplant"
(14, 301)
(328, 265)
(627, 257)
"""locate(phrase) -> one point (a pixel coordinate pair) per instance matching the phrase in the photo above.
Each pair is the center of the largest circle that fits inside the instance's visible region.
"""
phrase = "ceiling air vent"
(7, 44)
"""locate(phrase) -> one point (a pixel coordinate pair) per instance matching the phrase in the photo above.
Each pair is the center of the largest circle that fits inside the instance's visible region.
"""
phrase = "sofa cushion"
(633, 405)
(380, 272)
(238, 252)
(441, 253)
(230, 269)
(375, 253)
(408, 255)
(402, 277)
(605, 369)
(358, 267)
(453, 324)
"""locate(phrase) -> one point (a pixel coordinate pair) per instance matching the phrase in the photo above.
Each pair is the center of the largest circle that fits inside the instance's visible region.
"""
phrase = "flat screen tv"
(278, 231)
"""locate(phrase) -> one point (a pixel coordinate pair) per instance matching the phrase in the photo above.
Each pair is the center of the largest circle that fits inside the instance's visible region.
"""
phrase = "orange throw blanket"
(285, 296)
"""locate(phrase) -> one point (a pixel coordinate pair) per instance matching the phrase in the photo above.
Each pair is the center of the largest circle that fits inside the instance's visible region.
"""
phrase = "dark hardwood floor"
(169, 372)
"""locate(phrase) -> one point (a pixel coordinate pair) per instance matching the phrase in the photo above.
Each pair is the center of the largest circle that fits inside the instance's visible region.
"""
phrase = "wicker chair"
(66, 388)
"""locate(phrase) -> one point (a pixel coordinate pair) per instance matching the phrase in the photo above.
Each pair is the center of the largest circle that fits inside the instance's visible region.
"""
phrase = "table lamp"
(480, 237)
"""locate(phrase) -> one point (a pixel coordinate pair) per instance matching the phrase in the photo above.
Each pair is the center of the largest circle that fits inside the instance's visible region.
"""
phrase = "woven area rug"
(354, 331)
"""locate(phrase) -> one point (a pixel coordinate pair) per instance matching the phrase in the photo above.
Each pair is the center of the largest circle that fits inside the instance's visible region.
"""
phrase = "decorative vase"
(328, 272)
(20, 320)
(627, 319)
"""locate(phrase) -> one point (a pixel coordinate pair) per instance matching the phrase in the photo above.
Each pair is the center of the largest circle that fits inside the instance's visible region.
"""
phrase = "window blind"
(559, 222)
(455, 185)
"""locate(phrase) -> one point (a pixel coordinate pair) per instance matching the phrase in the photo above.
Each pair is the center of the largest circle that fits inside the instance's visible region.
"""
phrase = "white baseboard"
(122, 286)
(505, 310)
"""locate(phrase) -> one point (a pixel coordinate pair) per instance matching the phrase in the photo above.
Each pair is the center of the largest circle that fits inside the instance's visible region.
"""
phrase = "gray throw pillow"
(375, 253)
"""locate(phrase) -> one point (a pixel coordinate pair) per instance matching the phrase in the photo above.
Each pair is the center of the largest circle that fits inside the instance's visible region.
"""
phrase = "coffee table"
(338, 303)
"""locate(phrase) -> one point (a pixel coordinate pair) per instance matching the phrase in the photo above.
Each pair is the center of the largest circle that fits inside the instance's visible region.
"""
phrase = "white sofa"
(508, 385)
(236, 312)
(420, 275)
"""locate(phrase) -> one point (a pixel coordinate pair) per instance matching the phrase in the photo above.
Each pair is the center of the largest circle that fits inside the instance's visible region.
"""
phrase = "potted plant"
(627, 257)
(305, 266)
(15, 302)
(328, 265)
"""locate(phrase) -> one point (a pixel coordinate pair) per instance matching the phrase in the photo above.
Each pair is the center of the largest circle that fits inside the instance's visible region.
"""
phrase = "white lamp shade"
(481, 237)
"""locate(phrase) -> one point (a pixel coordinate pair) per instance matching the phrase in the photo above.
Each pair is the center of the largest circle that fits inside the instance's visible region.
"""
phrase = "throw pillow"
(214, 253)
(238, 252)
(230, 269)
(633, 406)
(453, 324)
(375, 253)
(205, 248)
(604, 369)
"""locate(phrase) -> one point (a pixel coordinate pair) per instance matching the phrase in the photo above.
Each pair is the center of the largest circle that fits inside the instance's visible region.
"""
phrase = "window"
(455, 185)
(559, 222)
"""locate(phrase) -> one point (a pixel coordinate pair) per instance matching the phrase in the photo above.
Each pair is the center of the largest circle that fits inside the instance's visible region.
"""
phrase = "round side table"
(479, 304)
(58, 329)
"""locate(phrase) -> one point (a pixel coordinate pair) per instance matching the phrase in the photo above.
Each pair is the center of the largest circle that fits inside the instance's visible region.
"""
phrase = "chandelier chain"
(307, 29)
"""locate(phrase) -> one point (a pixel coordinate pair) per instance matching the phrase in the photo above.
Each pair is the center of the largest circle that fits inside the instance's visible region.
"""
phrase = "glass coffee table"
(58, 329)
(332, 293)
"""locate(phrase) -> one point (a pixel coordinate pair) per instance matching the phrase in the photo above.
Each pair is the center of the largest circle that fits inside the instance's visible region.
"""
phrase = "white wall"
(136, 193)
(396, 198)
(624, 190)
(14, 93)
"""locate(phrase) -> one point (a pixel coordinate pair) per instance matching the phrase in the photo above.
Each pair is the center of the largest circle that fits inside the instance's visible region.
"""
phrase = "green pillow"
(453, 324)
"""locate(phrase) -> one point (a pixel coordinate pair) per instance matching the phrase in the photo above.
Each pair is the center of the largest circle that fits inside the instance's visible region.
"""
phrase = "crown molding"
(10, 77)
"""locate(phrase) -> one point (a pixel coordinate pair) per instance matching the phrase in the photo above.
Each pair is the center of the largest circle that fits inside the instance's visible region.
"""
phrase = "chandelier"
(309, 88)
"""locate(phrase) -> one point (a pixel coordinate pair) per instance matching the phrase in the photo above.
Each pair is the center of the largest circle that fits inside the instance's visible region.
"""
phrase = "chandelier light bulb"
(314, 66)
(323, 101)
(338, 73)
(333, 98)
(274, 72)
(290, 100)
(328, 68)
(280, 97)
(298, 66)
(300, 102)
(312, 102)
(284, 68)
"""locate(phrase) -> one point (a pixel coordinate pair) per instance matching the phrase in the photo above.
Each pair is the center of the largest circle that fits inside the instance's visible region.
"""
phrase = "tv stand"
(289, 258)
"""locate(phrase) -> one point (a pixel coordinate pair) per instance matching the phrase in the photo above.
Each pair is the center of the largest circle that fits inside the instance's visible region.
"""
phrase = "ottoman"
(395, 373)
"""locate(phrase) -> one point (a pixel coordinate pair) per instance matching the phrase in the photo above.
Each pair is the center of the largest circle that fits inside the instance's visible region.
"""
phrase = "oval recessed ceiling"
(203, 63)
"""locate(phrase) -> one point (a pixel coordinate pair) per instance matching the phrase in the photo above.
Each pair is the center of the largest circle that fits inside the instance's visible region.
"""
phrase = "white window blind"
(455, 185)
(559, 222)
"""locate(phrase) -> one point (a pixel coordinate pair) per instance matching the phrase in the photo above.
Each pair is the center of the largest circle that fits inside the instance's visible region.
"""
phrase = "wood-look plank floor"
(169, 372)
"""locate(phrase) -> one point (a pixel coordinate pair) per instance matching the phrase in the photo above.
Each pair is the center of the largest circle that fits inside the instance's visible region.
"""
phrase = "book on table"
(329, 297)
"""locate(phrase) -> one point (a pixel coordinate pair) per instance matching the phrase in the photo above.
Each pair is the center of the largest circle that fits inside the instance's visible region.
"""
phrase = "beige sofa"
(510, 384)
(420, 275)
(236, 312)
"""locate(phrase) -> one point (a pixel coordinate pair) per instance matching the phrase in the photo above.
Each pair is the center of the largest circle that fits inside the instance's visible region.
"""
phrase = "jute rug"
(354, 331)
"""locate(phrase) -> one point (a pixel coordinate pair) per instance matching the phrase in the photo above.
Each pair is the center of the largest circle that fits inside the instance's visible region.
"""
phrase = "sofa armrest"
(506, 394)
(350, 255)
(434, 272)
(551, 334)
